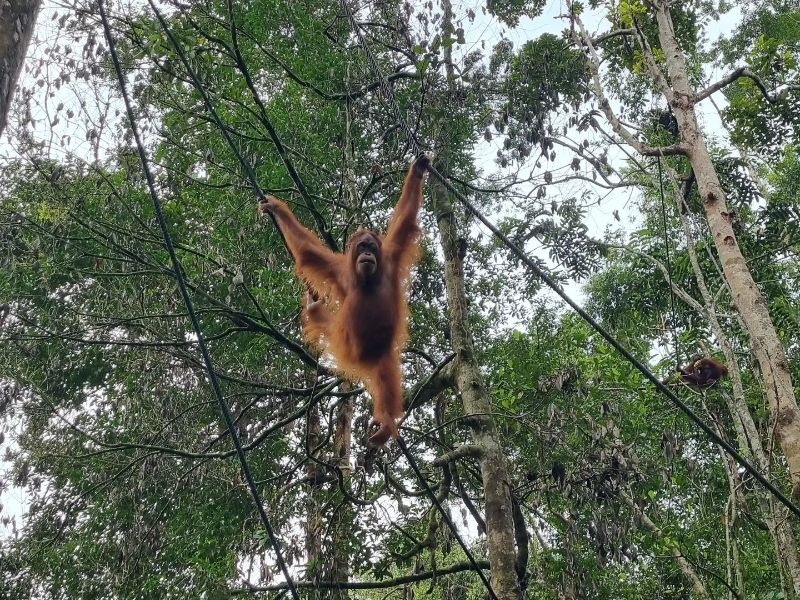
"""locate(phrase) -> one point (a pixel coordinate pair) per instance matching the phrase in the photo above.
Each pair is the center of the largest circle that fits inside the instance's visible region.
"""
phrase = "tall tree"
(682, 98)
(486, 442)
(559, 467)
(662, 57)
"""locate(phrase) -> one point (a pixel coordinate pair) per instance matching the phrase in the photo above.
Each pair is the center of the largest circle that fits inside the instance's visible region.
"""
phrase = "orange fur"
(703, 372)
(361, 319)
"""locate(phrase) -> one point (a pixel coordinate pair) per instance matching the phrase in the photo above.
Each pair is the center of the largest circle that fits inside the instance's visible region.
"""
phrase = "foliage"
(108, 427)
(768, 42)
(511, 11)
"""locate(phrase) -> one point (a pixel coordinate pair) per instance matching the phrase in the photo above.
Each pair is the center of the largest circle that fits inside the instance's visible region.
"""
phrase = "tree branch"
(463, 451)
(730, 78)
(438, 381)
(363, 585)
(605, 105)
(612, 34)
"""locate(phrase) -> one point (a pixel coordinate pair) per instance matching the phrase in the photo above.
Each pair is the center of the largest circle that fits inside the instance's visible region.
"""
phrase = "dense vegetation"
(575, 127)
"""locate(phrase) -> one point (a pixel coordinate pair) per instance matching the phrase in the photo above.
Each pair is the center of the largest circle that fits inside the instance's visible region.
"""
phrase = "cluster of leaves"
(511, 11)
(769, 41)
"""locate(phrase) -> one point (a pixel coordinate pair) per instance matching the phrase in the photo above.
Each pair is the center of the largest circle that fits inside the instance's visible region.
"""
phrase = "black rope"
(446, 516)
(257, 191)
(389, 95)
(552, 284)
(178, 271)
(669, 266)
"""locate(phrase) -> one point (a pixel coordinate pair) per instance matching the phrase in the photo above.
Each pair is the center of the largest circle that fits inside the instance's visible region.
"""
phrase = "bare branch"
(605, 105)
(733, 76)
(612, 34)
(364, 585)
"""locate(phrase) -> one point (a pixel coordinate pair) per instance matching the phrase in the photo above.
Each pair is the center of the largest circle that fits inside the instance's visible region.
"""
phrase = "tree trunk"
(765, 343)
(17, 20)
(314, 525)
(342, 520)
(730, 519)
(469, 381)
(477, 408)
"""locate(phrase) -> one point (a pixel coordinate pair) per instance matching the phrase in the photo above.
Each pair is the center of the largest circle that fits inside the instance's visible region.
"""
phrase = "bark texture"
(500, 540)
(17, 20)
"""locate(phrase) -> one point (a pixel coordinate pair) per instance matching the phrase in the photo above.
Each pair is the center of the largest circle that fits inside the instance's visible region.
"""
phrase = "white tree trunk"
(765, 343)
(17, 19)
